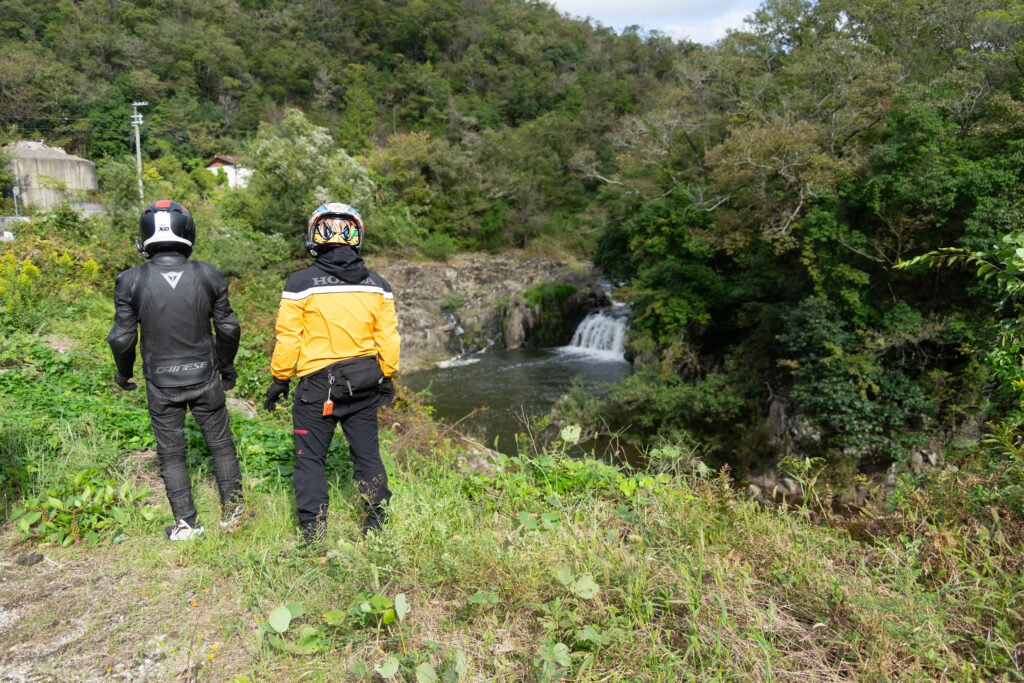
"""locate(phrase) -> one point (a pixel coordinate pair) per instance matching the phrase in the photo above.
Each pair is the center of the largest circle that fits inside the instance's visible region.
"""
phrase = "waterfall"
(603, 331)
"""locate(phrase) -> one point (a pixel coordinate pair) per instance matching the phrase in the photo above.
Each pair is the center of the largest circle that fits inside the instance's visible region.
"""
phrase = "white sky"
(702, 21)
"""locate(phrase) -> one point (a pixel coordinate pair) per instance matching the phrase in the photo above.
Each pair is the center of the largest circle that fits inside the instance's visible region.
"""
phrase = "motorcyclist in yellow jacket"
(337, 330)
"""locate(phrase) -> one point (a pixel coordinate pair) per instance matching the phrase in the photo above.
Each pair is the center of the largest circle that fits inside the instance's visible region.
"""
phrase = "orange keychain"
(328, 404)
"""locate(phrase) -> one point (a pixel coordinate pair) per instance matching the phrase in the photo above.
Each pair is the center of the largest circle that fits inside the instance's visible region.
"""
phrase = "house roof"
(222, 160)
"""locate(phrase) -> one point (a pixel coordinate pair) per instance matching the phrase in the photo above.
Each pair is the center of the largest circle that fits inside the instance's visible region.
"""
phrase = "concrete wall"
(49, 175)
(78, 175)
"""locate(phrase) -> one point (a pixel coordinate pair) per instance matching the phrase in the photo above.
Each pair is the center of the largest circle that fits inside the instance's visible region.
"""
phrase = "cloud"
(703, 21)
(708, 31)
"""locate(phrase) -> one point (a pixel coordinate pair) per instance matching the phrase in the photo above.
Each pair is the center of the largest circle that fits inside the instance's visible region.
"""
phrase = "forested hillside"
(754, 195)
(467, 114)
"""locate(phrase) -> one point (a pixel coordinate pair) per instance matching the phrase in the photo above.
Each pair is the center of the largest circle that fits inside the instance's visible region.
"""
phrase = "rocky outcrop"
(475, 302)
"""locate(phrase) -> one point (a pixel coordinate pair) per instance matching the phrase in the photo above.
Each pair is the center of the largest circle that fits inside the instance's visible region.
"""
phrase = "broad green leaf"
(387, 668)
(557, 653)
(381, 602)
(590, 633)
(564, 576)
(310, 637)
(287, 646)
(550, 520)
(389, 616)
(527, 520)
(401, 606)
(279, 619)
(461, 665)
(295, 609)
(425, 673)
(585, 587)
(31, 518)
(334, 617)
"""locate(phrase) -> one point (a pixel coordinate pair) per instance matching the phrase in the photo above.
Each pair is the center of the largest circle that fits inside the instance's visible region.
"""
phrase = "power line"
(47, 118)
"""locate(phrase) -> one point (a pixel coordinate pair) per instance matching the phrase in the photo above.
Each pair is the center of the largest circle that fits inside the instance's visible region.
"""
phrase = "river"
(504, 387)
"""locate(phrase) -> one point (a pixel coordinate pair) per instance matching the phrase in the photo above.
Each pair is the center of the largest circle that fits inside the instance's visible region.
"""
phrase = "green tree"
(359, 120)
(296, 167)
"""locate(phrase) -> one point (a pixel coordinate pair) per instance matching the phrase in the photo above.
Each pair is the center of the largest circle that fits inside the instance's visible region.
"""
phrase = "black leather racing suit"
(173, 300)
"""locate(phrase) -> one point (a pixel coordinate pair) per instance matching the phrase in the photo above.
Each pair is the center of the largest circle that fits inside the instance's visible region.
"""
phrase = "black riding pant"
(167, 408)
(313, 432)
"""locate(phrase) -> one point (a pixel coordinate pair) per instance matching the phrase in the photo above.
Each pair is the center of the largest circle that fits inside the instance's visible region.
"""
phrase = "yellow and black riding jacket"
(334, 310)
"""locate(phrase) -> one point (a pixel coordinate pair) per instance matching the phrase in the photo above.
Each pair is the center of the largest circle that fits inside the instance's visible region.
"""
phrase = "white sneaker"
(181, 531)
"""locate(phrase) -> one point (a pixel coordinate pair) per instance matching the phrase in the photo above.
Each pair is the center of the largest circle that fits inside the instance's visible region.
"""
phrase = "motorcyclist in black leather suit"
(173, 300)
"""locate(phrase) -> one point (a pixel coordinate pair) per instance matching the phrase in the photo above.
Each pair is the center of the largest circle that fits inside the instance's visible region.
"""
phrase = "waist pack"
(350, 378)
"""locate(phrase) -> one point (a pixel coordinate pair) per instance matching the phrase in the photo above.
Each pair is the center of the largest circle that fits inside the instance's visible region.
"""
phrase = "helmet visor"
(337, 230)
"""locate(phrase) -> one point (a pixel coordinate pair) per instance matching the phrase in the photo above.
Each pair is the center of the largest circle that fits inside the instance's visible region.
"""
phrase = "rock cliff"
(475, 302)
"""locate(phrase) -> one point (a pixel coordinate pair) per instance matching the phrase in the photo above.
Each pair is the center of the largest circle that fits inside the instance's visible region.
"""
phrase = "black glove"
(387, 393)
(228, 376)
(125, 383)
(277, 391)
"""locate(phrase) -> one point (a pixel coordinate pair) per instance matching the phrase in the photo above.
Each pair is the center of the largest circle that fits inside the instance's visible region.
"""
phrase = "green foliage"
(86, 506)
(6, 181)
(1003, 265)
(548, 293)
(239, 250)
(394, 229)
(658, 404)
(17, 444)
(374, 611)
(30, 295)
(753, 195)
(359, 122)
(552, 301)
(119, 182)
(843, 385)
(296, 167)
(439, 246)
(451, 301)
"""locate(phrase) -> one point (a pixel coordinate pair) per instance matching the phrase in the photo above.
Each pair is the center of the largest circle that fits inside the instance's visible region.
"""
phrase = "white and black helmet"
(166, 226)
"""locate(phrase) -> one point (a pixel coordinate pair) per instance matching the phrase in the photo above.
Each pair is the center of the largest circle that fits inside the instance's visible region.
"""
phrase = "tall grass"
(525, 568)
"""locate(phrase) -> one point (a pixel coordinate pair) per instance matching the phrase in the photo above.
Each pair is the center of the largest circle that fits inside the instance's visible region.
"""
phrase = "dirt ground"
(81, 614)
(92, 613)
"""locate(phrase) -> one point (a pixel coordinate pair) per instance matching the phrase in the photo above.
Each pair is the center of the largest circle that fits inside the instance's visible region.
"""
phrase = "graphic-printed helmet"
(333, 223)
(165, 226)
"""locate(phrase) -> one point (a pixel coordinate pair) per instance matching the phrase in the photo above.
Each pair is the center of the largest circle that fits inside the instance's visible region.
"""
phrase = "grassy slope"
(512, 569)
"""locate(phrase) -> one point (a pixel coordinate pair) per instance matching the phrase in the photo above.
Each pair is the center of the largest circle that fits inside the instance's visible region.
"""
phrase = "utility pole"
(136, 122)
